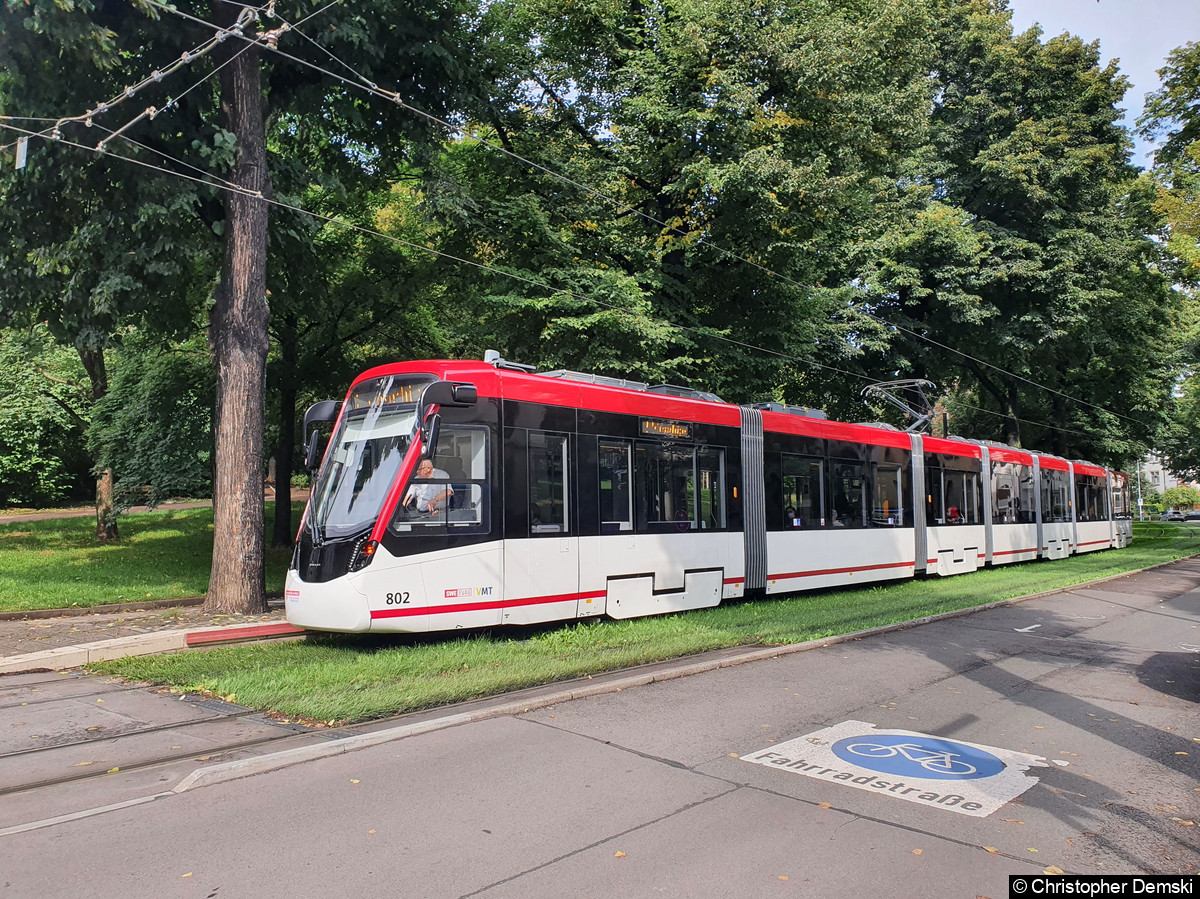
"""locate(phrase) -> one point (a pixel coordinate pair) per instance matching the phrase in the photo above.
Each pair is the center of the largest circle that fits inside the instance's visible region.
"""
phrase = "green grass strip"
(354, 678)
(164, 554)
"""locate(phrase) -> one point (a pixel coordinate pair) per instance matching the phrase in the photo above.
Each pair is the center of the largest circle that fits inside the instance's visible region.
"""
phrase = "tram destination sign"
(676, 430)
(937, 772)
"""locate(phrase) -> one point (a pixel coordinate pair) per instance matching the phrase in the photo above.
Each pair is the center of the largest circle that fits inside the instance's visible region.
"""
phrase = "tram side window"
(1121, 504)
(1056, 497)
(616, 485)
(1005, 496)
(803, 492)
(850, 495)
(666, 482)
(887, 511)
(954, 496)
(1090, 498)
(710, 469)
(1012, 494)
(1027, 511)
(460, 462)
(548, 512)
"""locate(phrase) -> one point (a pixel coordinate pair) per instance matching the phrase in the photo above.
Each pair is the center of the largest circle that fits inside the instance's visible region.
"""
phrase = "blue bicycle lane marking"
(921, 756)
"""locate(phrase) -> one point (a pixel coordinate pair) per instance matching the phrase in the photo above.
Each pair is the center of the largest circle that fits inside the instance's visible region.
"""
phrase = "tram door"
(541, 559)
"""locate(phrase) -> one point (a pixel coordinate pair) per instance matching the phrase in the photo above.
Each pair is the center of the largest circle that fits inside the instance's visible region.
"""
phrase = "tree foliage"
(1018, 268)
(44, 413)
(718, 154)
(154, 426)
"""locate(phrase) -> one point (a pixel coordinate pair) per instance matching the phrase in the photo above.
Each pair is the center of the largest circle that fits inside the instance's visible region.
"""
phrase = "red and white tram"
(576, 496)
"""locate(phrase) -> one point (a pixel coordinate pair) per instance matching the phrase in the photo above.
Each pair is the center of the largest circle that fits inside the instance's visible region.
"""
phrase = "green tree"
(723, 153)
(154, 426)
(1181, 497)
(343, 299)
(1170, 115)
(56, 58)
(43, 417)
(1017, 264)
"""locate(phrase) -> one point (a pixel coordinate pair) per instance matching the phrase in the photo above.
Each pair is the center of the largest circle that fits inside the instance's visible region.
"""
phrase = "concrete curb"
(147, 644)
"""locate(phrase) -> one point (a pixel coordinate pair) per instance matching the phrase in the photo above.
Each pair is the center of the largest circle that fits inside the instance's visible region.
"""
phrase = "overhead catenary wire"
(210, 180)
(270, 39)
(334, 220)
(158, 75)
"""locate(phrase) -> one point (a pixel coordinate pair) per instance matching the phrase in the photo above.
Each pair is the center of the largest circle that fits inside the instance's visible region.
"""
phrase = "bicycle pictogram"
(929, 759)
(917, 756)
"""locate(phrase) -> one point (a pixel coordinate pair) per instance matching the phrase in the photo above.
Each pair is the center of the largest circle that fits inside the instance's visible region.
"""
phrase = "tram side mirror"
(429, 433)
(326, 411)
(445, 393)
(312, 450)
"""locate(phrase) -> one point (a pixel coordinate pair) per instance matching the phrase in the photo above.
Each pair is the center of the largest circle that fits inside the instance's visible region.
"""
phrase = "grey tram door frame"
(754, 503)
(1037, 500)
(920, 522)
(989, 489)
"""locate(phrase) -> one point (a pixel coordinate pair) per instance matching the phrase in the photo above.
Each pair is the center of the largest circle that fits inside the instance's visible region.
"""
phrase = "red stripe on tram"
(485, 606)
(792, 574)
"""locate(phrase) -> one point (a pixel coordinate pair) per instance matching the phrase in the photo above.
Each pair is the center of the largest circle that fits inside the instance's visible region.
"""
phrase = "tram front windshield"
(365, 455)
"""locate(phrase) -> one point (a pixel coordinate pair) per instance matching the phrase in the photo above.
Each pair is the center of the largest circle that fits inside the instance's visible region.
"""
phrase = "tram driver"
(429, 498)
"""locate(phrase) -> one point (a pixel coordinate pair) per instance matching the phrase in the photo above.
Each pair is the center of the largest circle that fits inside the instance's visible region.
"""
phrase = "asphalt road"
(810, 774)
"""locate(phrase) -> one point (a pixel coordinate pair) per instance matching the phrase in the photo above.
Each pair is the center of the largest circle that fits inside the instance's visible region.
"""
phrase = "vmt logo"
(463, 592)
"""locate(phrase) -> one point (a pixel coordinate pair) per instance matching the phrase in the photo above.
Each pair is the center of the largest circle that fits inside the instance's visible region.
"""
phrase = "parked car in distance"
(1192, 515)
(1172, 515)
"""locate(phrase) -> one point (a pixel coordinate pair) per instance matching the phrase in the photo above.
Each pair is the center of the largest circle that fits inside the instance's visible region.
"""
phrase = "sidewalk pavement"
(74, 638)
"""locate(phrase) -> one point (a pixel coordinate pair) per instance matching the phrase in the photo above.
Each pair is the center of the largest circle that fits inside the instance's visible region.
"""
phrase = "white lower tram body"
(817, 559)
(525, 582)
(522, 582)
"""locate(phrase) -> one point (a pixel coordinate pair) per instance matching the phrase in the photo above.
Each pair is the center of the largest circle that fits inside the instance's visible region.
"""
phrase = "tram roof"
(597, 392)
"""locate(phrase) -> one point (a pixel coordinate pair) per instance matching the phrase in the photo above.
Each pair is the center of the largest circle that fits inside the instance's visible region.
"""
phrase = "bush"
(154, 428)
(46, 395)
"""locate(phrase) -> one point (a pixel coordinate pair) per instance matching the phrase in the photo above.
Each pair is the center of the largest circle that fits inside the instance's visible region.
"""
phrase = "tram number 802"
(397, 599)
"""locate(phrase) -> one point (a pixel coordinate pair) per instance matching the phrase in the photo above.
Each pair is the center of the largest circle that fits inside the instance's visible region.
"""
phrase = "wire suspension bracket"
(907, 395)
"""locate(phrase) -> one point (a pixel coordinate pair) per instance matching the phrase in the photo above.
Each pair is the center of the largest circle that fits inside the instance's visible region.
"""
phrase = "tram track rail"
(127, 734)
(280, 732)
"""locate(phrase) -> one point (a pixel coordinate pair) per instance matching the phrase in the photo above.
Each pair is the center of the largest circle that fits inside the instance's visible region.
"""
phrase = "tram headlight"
(363, 555)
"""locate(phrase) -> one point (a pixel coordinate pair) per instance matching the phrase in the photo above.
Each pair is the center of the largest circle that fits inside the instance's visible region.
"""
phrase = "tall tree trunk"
(238, 334)
(284, 462)
(1012, 420)
(106, 522)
